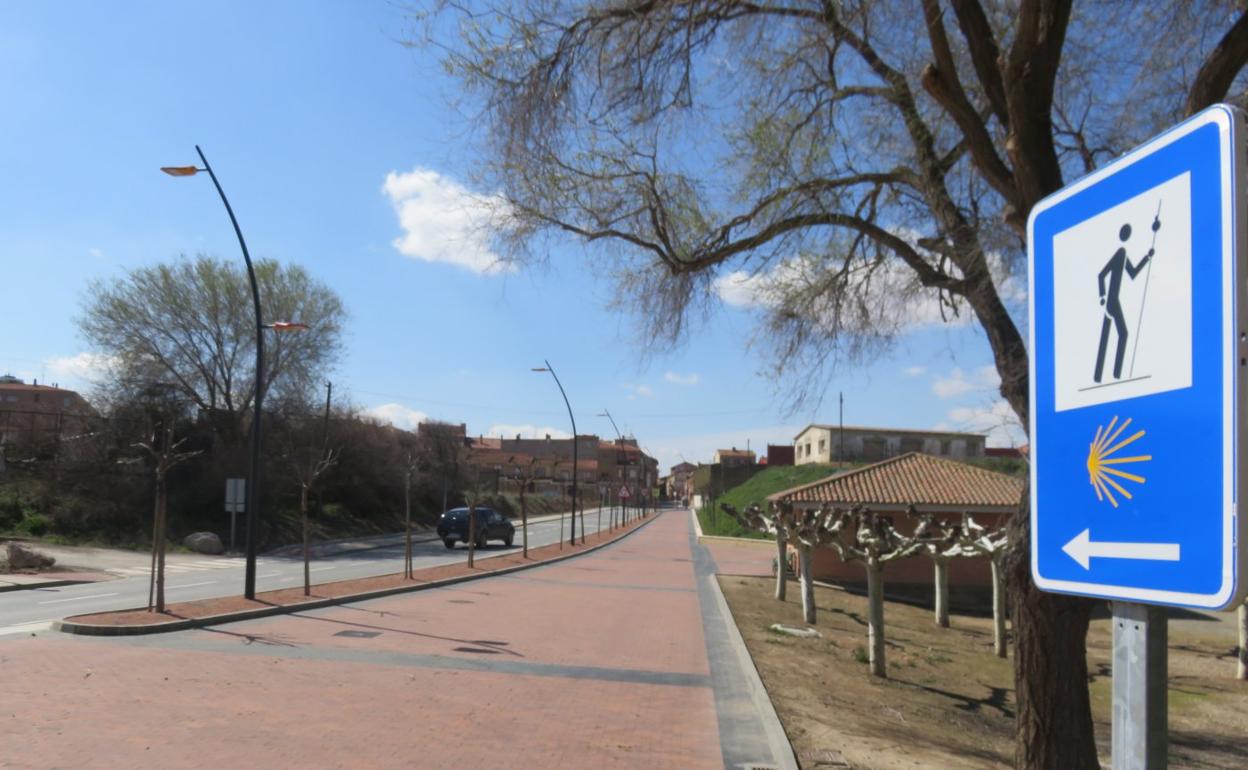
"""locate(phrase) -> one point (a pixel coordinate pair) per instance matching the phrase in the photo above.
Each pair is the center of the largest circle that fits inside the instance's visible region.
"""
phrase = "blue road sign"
(1138, 346)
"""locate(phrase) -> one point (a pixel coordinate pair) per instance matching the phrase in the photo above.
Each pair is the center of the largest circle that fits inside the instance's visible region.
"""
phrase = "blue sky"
(340, 150)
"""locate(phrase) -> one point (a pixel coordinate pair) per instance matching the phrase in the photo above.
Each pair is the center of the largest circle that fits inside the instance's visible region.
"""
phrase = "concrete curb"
(777, 738)
(87, 629)
(6, 587)
(697, 528)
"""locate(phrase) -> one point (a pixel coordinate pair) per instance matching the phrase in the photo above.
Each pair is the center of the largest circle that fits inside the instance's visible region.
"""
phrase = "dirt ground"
(948, 701)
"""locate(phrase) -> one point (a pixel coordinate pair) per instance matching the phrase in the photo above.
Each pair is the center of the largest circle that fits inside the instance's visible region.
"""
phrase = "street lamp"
(253, 485)
(575, 463)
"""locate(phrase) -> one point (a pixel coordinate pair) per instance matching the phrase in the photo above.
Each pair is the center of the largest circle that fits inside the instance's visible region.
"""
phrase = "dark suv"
(490, 525)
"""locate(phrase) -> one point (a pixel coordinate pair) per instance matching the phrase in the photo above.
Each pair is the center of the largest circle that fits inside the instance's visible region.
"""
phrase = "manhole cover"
(359, 634)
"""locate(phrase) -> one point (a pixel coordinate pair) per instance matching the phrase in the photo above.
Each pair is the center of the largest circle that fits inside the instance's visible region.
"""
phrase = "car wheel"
(508, 540)
(482, 542)
(449, 542)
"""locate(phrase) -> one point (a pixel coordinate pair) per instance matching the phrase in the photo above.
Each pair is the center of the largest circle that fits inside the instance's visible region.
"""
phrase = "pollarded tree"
(776, 524)
(856, 162)
(191, 322)
(873, 541)
(940, 542)
(977, 540)
(162, 448)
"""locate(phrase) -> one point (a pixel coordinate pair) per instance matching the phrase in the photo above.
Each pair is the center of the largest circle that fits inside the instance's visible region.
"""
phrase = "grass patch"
(755, 492)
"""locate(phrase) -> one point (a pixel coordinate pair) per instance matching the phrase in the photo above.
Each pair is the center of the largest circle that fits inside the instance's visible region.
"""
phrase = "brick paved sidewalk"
(610, 660)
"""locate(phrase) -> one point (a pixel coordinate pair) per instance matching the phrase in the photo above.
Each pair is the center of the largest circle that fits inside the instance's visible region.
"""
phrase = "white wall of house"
(822, 444)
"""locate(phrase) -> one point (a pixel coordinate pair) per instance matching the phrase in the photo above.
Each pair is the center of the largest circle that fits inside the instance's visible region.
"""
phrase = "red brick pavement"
(595, 662)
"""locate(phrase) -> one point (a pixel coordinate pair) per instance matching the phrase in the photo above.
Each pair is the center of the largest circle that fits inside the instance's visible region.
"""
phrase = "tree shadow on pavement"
(267, 640)
(495, 646)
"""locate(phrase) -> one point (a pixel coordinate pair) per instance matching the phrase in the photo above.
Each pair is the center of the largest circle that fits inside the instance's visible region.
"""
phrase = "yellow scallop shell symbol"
(1101, 461)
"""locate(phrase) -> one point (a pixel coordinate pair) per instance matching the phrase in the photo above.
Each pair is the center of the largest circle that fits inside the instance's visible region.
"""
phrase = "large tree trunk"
(307, 540)
(998, 607)
(782, 553)
(808, 585)
(875, 618)
(1054, 717)
(941, 582)
(1241, 669)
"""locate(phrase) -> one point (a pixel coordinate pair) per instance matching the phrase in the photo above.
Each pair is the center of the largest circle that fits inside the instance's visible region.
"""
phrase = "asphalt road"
(208, 577)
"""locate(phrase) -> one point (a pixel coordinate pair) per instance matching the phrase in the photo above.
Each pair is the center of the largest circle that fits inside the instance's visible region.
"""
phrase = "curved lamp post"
(575, 464)
(253, 482)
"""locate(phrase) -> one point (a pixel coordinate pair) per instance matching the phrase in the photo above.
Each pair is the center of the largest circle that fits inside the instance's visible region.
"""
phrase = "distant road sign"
(235, 495)
(1138, 345)
(624, 493)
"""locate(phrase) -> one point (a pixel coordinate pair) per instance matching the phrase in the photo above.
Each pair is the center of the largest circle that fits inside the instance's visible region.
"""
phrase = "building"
(922, 483)
(732, 458)
(34, 417)
(602, 467)
(680, 486)
(831, 443)
(779, 454)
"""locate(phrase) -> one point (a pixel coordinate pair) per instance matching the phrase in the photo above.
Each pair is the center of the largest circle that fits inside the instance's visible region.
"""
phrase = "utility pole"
(841, 452)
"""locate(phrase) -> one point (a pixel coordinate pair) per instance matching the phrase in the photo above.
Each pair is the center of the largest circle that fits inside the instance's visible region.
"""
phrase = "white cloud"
(958, 383)
(638, 391)
(915, 371)
(741, 289)
(504, 430)
(93, 251)
(79, 369)
(996, 419)
(682, 379)
(397, 415)
(443, 221)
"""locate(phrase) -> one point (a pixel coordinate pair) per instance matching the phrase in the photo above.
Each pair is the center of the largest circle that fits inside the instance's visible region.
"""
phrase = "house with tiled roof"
(928, 484)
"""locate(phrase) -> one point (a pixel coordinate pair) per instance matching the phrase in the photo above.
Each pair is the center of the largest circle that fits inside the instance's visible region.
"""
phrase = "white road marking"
(269, 575)
(79, 598)
(322, 569)
(193, 585)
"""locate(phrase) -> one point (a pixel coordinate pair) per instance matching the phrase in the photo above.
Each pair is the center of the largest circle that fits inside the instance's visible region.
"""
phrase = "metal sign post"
(235, 503)
(1137, 444)
(1138, 727)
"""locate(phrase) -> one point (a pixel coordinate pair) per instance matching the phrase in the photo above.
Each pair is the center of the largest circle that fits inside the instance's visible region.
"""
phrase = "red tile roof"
(913, 479)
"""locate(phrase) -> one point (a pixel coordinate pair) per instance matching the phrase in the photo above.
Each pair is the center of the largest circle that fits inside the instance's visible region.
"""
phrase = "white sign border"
(1232, 131)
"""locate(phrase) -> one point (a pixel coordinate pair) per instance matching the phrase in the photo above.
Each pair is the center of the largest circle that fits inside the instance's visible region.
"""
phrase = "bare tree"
(308, 466)
(873, 541)
(776, 524)
(163, 450)
(856, 160)
(940, 542)
(189, 322)
(994, 544)
(525, 476)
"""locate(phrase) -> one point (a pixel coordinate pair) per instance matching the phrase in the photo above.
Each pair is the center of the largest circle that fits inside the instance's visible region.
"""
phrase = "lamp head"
(181, 170)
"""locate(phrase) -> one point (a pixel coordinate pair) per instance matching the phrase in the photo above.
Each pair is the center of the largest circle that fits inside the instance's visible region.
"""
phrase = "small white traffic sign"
(1139, 339)
(624, 493)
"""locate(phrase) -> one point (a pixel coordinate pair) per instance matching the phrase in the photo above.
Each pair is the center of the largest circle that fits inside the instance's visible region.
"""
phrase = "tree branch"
(1220, 68)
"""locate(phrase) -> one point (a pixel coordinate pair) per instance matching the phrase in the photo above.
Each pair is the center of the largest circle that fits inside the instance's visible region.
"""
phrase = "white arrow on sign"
(1081, 548)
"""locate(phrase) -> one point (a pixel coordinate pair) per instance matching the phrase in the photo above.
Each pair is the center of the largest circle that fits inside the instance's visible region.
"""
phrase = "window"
(821, 444)
(808, 449)
(911, 444)
(946, 447)
(874, 448)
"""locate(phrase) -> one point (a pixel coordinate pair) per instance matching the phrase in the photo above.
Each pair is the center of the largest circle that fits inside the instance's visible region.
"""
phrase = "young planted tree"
(310, 458)
(853, 168)
(977, 540)
(163, 451)
(525, 475)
